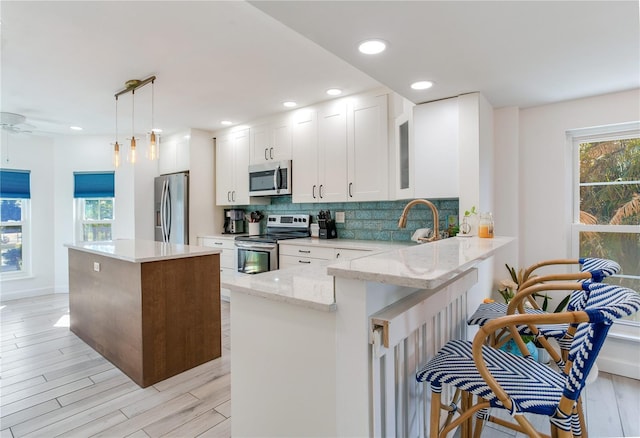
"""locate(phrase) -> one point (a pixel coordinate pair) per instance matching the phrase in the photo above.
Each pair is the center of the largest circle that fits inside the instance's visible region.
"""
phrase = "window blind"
(94, 185)
(15, 183)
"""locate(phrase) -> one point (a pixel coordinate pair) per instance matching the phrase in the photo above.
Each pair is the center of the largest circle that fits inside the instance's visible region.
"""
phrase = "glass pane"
(624, 248)
(11, 248)
(606, 161)
(96, 232)
(404, 155)
(11, 210)
(98, 209)
(106, 209)
(91, 209)
(610, 204)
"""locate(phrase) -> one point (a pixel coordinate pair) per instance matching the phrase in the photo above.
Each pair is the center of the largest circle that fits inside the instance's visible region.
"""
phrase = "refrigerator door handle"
(168, 213)
(162, 210)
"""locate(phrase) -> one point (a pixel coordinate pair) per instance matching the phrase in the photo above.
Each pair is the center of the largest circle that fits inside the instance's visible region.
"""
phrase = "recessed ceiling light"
(372, 47)
(226, 122)
(334, 91)
(289, 104)
(422, 85)
(75, 128)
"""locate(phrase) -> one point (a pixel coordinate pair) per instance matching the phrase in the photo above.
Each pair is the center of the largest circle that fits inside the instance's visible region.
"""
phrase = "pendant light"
(116, 146)
(153, 145)
(131, 86)
(132, 148)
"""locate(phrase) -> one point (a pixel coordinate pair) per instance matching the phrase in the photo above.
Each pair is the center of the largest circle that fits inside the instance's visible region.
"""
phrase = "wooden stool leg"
(435, 414)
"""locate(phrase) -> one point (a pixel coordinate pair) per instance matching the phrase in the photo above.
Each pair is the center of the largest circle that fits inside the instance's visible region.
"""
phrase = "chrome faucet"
(402, 223)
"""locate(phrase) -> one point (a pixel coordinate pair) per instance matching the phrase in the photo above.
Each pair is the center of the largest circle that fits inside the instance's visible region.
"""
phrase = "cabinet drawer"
(218, 243)
(324, 253)
(346, 254)
(288, 261)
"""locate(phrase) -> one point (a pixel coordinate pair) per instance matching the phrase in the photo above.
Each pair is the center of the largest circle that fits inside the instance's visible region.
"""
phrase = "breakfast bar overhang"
(304, 364)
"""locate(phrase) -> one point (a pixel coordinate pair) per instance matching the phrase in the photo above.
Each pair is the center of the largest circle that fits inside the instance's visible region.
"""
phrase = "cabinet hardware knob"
(320, 191)
(265, 153)
(271, 153)
(350, 186)
(303, 251)
(313, 192)
(306, 262)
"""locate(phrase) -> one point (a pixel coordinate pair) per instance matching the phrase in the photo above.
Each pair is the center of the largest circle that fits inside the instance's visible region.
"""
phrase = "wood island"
(150, 308)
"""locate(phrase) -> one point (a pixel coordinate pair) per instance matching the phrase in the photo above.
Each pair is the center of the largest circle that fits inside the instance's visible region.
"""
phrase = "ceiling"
(62, 62)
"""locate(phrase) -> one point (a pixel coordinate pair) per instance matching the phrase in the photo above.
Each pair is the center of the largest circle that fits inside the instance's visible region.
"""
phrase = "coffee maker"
(234, 221)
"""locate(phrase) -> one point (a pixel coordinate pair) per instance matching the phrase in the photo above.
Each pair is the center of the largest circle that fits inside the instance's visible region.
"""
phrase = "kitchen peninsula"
(151, 308)
(309, 357)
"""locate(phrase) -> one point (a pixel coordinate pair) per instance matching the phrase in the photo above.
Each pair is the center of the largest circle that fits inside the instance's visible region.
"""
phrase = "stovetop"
(282, 227)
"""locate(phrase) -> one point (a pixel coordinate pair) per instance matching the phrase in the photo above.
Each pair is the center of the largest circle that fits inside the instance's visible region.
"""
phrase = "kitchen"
(539, 132)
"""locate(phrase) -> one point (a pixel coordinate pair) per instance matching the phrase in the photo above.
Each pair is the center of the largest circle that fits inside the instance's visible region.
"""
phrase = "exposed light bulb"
(132, 151)
(153, 147)
(116, 155)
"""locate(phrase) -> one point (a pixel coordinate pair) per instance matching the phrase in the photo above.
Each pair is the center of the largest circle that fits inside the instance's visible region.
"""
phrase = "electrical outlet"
(340, 217)
(96, 266)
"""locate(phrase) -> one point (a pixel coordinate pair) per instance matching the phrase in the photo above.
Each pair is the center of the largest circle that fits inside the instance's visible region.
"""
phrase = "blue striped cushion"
(533, 387)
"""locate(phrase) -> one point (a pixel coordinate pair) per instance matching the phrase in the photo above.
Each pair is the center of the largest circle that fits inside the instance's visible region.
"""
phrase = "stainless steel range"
(258, 254)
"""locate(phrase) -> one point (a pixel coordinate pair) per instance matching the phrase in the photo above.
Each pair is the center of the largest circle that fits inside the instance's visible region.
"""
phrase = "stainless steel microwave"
(268, 179)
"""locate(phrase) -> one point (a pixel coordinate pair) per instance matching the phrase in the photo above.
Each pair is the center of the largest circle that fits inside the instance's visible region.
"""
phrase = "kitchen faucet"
(402, 223)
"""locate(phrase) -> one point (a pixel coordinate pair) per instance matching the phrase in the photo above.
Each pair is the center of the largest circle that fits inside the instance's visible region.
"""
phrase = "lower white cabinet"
(228, 258)
(298, 255)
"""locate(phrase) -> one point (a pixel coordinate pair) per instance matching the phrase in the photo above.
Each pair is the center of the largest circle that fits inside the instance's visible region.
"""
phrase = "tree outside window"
(12, 213)
(96, 217)
(607, 223)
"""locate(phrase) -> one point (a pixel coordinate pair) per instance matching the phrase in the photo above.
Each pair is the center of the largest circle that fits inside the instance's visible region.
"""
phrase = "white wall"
(545, 167)
(34, 153)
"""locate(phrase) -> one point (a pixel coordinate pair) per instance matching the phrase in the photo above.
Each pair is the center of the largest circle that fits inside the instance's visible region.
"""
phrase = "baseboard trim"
(28, 293)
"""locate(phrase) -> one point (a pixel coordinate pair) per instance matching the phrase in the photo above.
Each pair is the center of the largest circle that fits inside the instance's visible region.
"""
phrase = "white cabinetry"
(228, 258)
(232, 165)
(174, 156)
(436, 149)
(297, 255)
(305, 156)
(368, 149)
(271, 141)
(340, 151)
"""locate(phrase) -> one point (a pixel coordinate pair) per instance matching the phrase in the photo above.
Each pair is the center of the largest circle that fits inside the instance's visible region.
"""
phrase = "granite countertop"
(424, 266)
(141, 251)
(363, 245)
(420, 266)
(308, 286)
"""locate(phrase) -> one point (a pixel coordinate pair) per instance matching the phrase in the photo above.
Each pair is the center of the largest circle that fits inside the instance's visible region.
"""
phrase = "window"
(94, 202)
(606, 220)
(15, 193)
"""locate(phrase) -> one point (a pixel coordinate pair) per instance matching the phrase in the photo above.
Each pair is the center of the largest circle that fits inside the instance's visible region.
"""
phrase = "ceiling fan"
(15, 123)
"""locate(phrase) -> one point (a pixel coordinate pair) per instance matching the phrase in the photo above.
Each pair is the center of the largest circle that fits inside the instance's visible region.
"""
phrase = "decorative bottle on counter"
(485, 225)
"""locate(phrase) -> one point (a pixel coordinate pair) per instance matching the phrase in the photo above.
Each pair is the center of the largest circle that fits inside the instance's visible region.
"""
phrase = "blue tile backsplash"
(367, 220)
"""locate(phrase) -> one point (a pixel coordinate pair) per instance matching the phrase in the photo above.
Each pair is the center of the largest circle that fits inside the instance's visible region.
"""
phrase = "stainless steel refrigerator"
(172, 208)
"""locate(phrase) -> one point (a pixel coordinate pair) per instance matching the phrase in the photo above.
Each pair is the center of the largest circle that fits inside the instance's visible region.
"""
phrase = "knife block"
(327, 229)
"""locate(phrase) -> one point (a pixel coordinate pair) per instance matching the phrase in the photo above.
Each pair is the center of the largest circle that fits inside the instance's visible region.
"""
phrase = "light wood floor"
(55, 385)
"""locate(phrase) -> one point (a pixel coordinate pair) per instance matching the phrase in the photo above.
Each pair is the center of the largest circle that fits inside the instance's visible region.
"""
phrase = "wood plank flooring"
(53, 384)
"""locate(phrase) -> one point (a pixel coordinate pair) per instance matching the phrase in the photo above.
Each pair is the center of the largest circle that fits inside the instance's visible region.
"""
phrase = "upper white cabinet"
(232, 165)
(304, 181)
(435, 142)
(368, 149)
(340, 151)
(271, 140)
(174, 156)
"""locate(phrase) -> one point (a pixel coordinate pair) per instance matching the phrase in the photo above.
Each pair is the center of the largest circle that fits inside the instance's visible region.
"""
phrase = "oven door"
(254, 257)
